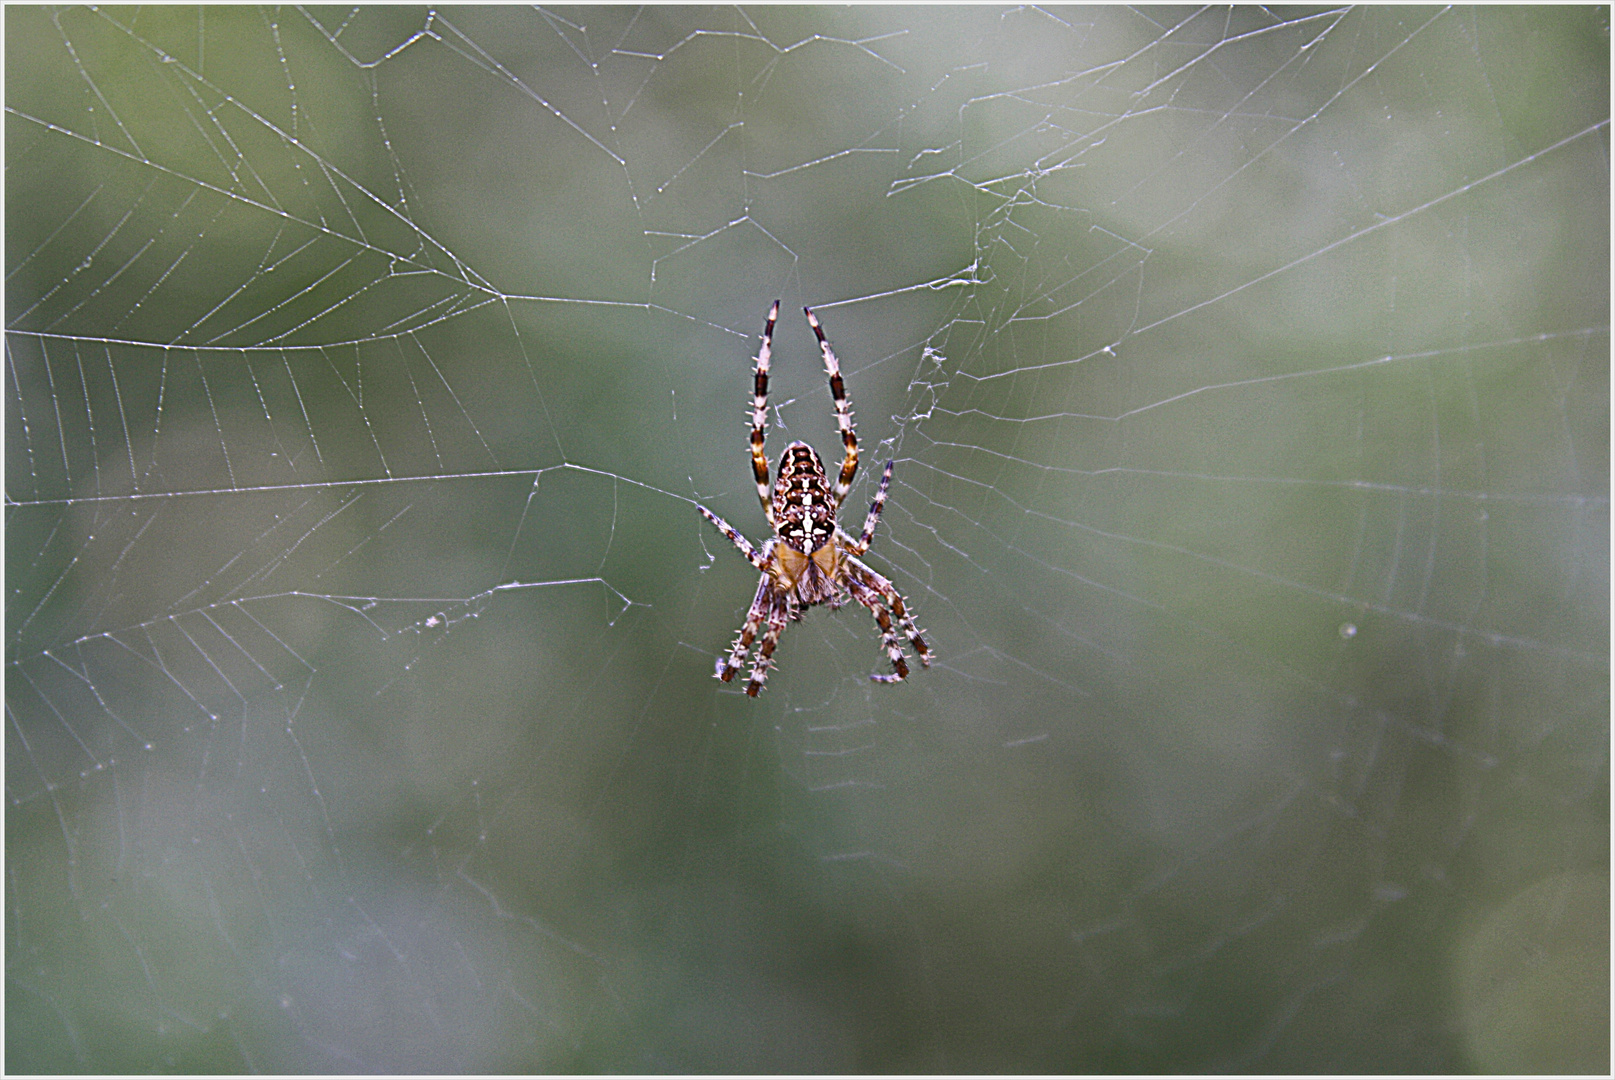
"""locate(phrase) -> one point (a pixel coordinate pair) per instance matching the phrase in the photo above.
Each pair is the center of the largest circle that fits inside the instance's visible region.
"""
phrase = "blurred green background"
(1247, 377)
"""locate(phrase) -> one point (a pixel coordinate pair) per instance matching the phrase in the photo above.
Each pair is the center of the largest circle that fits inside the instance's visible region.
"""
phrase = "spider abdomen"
(804, 506)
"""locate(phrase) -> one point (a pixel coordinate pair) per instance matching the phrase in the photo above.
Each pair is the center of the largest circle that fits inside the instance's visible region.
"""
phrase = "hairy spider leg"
(870, 599)
(858, 571)
(868, 537)
(759, 560)
(838, 391)
(778, 616)
(727, 666)
(759, 416)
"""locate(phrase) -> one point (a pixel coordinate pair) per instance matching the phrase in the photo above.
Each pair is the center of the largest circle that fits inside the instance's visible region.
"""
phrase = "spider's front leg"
(725, 667)
(779, 614)
(888, 633)
(879, 595)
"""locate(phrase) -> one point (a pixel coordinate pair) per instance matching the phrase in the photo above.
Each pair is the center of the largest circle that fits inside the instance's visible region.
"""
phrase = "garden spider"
(810, 560)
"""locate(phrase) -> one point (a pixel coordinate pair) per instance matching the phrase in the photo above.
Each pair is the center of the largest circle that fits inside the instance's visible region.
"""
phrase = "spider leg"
(759, 560)
(858, 572)
(870, 599)
(759, 416)
(873, 519)
(838, 391)
(778, 616)
(725, 668)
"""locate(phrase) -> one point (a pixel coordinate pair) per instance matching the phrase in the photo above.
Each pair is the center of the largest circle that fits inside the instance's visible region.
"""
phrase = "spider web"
(1246, 375)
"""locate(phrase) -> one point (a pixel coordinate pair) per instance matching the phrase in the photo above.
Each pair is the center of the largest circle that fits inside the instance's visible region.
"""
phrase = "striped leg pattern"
(727, 666)
(871, 599)
(759, 416)
(838, 392)
(778, 616)
(893, 600)
(873, 519)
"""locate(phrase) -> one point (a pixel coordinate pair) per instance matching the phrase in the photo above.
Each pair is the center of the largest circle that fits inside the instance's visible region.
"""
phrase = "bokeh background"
(1246, 374)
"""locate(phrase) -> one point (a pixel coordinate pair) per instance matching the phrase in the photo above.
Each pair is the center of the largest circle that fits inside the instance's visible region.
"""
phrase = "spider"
(810, 560)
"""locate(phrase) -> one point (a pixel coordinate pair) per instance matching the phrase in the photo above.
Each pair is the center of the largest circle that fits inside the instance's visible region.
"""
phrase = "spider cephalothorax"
(810, 560)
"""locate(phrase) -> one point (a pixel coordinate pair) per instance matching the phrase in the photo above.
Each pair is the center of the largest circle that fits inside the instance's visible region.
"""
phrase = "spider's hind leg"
(759, 417)
(838, 394)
